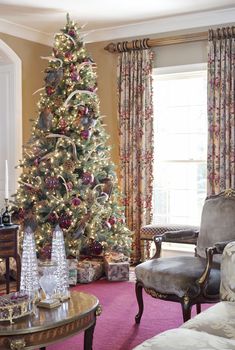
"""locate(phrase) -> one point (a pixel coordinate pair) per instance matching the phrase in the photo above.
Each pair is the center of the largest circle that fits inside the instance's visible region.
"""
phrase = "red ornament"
(19, 214)
(68, 55)
(45, 252)
(112, 220)
(76, 201)
(49, 90)
(65, 221)
(53, 218)
(122, 220)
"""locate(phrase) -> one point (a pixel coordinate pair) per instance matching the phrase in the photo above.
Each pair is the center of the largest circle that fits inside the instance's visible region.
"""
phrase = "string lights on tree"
(68, 178)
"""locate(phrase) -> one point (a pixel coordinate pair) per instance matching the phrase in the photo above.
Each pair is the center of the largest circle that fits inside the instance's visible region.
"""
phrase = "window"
(180, 124)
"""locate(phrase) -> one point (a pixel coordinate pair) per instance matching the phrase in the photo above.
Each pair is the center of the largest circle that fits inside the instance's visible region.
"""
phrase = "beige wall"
(32, 75)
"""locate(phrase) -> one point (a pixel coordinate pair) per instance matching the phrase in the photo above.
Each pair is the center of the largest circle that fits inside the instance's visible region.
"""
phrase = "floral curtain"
(136, 139)
(221, 118)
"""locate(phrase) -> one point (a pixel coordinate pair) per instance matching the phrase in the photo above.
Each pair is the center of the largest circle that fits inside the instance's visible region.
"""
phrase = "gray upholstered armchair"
(190, 280)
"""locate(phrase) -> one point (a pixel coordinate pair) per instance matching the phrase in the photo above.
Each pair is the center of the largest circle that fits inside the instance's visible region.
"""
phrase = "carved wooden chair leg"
(139, 297)
(198, 308)
(186, 309)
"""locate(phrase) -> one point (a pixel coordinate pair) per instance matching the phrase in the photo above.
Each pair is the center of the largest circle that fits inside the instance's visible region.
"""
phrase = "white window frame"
(178, 248)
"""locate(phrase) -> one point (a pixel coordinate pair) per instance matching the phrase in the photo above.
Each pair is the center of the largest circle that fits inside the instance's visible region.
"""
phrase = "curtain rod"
(147, 43)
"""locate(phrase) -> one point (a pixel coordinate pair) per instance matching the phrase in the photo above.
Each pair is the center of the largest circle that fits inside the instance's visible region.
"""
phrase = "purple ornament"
(71, 32)
(52, 182)
(87, 178)
(69, 186)
(85, 134)
(96, 248)
(76, 201)
(74, 76)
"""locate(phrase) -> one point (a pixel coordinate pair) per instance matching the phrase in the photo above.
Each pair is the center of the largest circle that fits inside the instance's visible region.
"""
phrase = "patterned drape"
(221, 118)
(136, 139)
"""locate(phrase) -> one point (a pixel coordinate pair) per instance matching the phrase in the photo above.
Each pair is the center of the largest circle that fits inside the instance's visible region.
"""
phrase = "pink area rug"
(115, 328)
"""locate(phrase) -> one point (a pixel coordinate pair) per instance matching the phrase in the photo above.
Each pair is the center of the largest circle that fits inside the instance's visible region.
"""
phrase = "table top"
(78, 306)
(11, 227)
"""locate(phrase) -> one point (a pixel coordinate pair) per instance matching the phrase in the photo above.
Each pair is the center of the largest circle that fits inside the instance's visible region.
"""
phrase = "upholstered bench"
(211, 329)
(147, 232)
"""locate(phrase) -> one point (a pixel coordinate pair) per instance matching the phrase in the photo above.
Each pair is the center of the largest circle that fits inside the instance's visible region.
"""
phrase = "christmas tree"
(68, 178)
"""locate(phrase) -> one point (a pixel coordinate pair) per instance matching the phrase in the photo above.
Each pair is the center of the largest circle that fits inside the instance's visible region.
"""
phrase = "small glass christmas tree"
(59, 257)
(68, 177)
(29, 267)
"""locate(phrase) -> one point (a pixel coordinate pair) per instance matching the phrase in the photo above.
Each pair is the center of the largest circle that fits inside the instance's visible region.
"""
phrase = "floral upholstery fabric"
(227, 286)
(136, 139)
(221, 110)
(217, 320)
(186, 339)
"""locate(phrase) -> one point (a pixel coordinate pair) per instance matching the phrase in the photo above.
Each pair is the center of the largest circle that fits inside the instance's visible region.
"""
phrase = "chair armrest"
(180, 236)
(210, 252)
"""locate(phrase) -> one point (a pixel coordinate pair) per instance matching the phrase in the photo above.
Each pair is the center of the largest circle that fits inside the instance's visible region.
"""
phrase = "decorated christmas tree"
(67, 176)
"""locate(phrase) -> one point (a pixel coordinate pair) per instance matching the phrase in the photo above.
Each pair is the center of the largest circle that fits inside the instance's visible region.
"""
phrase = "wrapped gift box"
(72, 271)
(116, 267)
(89, 270)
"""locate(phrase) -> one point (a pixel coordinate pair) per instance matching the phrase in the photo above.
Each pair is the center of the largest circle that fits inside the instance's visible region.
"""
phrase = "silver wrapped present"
(116, 267)
(89, 270)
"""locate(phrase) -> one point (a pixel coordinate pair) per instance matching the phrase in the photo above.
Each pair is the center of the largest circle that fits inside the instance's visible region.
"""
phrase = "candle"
(6, 180)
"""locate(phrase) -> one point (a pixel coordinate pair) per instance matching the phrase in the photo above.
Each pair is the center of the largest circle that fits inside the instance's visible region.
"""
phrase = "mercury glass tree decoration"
(29, 267)
(59, 257)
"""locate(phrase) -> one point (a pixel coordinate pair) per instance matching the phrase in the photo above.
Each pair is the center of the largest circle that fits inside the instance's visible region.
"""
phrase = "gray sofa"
(211, 329)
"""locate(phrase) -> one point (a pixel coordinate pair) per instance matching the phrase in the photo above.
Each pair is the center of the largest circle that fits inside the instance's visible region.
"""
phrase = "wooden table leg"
(88, 337)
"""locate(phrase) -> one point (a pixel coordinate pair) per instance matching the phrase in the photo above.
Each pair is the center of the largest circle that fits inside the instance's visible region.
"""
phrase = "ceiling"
(110, 19)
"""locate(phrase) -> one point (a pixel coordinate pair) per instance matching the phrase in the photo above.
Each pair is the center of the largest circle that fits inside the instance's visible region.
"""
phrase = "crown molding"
(25, 32)
(157, 26)
(163, 25)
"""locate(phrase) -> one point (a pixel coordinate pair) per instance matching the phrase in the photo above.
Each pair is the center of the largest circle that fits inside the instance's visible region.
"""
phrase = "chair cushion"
(186, 339)
(177, 275)
(218, 320)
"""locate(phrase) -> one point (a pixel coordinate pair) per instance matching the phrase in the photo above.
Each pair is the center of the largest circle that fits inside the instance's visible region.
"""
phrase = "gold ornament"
(69, 166)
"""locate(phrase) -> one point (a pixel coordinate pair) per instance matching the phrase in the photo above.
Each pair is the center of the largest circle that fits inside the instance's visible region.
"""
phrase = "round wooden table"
(50, 326)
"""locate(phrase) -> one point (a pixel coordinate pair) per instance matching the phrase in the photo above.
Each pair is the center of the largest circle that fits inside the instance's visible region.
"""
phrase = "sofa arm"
(219, 247)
